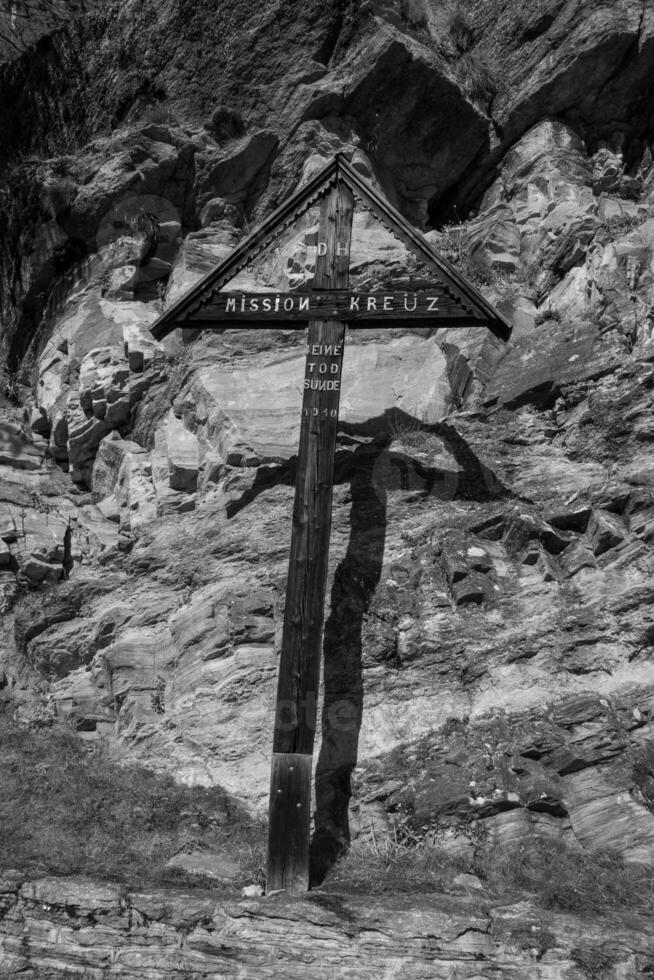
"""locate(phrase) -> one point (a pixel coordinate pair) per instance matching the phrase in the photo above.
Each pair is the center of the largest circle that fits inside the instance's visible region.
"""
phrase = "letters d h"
(341, 248)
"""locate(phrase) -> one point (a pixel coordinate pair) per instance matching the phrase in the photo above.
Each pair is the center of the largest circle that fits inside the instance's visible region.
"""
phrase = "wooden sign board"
(389, 266)
(229, 308)
(335, 253)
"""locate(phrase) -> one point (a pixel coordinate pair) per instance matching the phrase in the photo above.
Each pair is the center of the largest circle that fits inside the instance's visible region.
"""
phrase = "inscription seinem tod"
(322, 375)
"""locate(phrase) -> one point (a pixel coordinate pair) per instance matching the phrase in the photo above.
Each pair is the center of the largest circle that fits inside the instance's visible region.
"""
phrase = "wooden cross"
(327, 307)
(299, 668)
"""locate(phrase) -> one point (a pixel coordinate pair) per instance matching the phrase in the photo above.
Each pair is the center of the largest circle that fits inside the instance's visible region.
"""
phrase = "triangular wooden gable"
(259, 268)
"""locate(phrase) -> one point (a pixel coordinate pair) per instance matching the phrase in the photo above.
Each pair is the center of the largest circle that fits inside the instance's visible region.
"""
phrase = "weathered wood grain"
(289, 826)
(433, 304)
(299, 668)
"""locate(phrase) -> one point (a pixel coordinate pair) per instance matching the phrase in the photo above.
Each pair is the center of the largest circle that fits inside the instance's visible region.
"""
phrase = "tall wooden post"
(299, 668)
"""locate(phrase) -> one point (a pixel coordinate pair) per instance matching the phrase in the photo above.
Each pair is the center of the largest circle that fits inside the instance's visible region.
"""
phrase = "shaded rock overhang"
(479, 312)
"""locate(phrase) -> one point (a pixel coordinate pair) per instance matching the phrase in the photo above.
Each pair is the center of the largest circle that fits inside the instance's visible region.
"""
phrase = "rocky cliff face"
(490, 622)
(86, 928)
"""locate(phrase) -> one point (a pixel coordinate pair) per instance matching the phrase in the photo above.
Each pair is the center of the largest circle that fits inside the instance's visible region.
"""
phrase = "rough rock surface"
(83, 927)
(490, 619)
(493, 560)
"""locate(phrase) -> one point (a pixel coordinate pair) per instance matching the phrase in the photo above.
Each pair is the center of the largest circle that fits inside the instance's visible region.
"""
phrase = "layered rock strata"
(490, 620)
(83, 927)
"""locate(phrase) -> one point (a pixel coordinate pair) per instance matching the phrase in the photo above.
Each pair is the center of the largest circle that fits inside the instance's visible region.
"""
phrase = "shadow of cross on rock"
(371, 460)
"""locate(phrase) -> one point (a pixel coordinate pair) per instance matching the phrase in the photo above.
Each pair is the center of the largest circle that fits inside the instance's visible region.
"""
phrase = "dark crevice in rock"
(38, 90)
(28, 625)
(330, 42)
(627, 61)
(460, 200)
(145, 92)
(553, 807)
(540, 26)
(47, 292)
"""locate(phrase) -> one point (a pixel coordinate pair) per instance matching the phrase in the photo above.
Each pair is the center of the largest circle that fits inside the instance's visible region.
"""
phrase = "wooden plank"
(299, 667)
(289, 825)
(335, 230)
(387, 323)
(353, 307)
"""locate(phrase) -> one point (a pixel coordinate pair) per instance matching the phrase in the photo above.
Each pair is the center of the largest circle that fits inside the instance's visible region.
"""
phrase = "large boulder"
(231, 172)
(249, 410)
(591, 67)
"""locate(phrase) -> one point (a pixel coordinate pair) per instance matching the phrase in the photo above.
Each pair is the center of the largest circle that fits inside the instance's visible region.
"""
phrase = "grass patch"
(643, 772)
(414, 436)
(595, 964)
(396, 865)
(559, 878)
(533, 938)
(622, 224)
(551, 314)
(69, 809)
(476, 77)
(546, 872)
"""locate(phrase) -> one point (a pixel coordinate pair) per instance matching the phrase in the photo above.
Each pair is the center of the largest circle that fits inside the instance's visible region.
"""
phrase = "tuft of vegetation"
(461, 33)
(413, 434)
(401, 863)
(525, 937)
(413, 14)
(473, 70)
(477, 78)
(551, 314)
(621, 224)
(157, 114)
(543, 871)
(8, 384)
(595, 964)
(455, 247)
(643, 773)
(225, 124)
(558, 877)
(69, 809)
